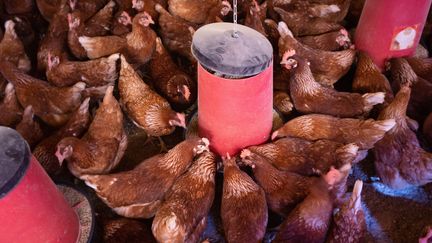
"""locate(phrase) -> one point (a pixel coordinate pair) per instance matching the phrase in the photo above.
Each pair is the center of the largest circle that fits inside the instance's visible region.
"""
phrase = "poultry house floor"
(392, 216)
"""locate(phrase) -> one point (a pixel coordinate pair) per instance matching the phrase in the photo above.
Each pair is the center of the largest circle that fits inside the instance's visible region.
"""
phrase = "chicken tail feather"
(96, 47)
(385, 125)
(84, 106)
(284, 30)
(28, 114)
(160, 9)
(108, 94)
(10, 29)
(355, 200)
(112, 71)
(372, 99)
(80, 86)
(9, 89)
(90, 181)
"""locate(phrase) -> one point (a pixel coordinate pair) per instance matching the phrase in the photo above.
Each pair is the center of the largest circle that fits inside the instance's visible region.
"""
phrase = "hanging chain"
(235, 34)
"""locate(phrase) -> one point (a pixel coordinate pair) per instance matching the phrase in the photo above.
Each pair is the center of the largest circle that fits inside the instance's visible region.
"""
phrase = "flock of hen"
(129, 58)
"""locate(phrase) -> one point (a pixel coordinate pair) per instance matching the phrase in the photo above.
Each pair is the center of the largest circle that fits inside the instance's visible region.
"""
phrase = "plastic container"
(391, 28)
(235, 86)
(32, 209)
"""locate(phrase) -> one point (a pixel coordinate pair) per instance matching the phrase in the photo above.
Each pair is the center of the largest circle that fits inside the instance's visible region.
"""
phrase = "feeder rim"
(21, 170)
(257, 62)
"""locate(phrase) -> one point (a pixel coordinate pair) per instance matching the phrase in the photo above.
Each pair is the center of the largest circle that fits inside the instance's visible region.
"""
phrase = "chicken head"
(73, 21)
(287, 61)
(226, 8)
(65, 149)
(202, 146)
(124, 19)
(52, 61)
(138, 5)
(144, 19)
(343, 39)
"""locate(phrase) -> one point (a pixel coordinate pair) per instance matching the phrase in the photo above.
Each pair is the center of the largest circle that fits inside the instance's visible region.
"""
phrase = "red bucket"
(391, 28)
(32, 209)
(235, 86)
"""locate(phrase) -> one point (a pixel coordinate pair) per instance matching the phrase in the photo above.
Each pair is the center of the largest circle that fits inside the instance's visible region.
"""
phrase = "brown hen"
(349, 223)
(301, 24)
(420, 104)
(55, 40)
(29, 128)
(327, 67)
(306, 157)
(176, 33)
(75, 127)
(199, 12)
(144, 106)
(421, 66)
(11, 110)
(255, 17)
(310, 220)
(102, 147)
(139, 193)
(97, 72)
(170, 81)
(369, 79)
(52, 104)
(285, 189)
(182, 215)
(399, 159)
(364, 133)
(137, 46)
(331, 41)
(12, 49)
(310, 96)
(98, 25)
(244, 208)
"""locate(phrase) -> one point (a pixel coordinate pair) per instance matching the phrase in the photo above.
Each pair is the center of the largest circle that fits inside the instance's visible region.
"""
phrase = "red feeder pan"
(235, 86)
(32, 210)
(391, 28)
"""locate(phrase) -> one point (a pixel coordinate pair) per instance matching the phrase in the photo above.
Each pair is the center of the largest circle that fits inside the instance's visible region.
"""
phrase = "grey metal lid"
(215, 48)
(14, 159)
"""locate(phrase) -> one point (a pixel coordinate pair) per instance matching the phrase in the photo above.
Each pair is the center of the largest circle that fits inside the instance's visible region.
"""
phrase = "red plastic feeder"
(391, 28)
(235, 86)
(32, 210)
